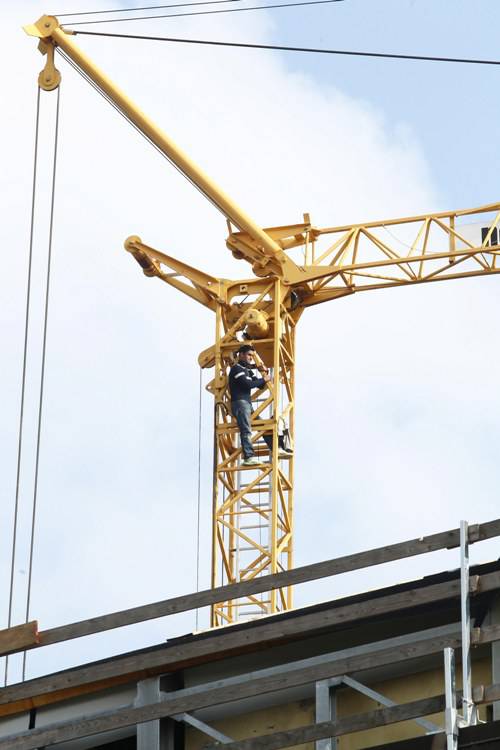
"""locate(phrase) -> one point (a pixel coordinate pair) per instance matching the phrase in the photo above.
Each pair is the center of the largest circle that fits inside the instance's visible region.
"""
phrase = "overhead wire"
(284, 48)
(23, 377)
(145, 7)
(42, 375)
(210, 12)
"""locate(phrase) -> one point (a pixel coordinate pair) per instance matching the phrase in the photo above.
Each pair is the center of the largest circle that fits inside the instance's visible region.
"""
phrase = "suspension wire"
(42, 375)
(283, 48)
(146, 138)
(146, 7)
(209, 12)
(23, 378)
(199, 496)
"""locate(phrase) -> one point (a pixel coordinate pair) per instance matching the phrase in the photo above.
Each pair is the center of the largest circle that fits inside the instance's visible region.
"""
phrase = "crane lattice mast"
(294, 267)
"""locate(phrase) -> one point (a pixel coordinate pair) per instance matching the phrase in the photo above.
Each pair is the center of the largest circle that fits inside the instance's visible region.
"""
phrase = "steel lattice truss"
(253, 507)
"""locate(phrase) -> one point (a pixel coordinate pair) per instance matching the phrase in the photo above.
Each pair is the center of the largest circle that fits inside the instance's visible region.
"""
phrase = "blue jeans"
(242, 411)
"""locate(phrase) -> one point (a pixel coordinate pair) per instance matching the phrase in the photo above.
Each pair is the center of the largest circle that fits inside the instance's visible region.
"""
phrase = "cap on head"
(244, 349)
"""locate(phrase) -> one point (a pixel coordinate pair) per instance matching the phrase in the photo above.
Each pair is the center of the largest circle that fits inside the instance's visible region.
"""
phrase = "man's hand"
(266, 377)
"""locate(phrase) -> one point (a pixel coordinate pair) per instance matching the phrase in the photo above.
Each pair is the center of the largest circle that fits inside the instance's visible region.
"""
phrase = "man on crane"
(241, 382)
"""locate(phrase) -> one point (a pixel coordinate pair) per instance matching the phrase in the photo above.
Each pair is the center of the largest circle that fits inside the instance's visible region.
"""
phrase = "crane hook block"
(49, 78)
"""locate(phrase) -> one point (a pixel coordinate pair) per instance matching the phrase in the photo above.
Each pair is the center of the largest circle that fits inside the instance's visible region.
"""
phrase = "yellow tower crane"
(294, 267)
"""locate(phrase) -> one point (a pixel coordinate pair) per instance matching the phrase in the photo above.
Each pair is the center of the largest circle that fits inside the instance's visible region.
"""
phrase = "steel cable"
(23, 378)
(42, 375)
(209, 12)
(146, 7)
(284, 48)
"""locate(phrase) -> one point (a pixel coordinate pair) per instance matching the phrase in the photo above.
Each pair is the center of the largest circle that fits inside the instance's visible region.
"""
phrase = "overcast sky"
(398, 419)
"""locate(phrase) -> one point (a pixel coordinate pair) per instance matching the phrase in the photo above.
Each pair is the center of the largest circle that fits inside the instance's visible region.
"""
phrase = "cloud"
(396, 414)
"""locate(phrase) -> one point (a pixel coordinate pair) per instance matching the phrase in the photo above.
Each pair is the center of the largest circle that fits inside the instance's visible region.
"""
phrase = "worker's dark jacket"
(241, 382)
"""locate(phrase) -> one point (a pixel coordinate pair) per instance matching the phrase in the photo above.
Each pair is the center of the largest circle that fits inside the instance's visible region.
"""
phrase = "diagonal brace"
(355, 685)
(202, 727)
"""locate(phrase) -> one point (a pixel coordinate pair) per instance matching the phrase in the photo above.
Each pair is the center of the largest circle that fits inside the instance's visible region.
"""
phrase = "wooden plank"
(227, 642)
(130, 716)
(357, 723)
(224, 643)
(18, 638)
(218, 692)
(443, 540)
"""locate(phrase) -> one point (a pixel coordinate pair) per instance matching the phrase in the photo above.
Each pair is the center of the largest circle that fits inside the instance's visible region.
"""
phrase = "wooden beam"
(130, 716)
(220, 692)
(223, 643)
(18, 638)
(357, 723)
(444, 540)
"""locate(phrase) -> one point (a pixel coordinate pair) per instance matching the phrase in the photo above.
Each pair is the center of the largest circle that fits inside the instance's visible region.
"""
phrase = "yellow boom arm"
(262, 251)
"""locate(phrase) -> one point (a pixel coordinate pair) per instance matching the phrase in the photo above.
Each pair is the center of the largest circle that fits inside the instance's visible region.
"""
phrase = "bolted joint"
(43, 28)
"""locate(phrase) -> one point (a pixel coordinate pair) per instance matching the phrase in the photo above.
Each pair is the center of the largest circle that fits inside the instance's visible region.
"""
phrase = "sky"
(397, 414)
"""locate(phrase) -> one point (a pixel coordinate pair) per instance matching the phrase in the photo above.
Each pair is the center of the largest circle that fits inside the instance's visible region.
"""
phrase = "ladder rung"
(248, 549)
(257, 509)
(257, 526)
(260, 487)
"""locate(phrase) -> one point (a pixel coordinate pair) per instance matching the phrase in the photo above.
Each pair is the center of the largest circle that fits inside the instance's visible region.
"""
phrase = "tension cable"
(145, 7)
(210, 12)
(23, 378)
(42, 374)
(284, 48)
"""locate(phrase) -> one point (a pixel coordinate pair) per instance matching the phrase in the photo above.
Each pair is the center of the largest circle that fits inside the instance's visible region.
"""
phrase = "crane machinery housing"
(293, 267)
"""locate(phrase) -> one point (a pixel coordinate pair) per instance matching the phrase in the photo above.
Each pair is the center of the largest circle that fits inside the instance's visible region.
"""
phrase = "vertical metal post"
(469, 713)
(158, 734)
(333, 714)
(450, 715)
(326, 710)
(495, 654)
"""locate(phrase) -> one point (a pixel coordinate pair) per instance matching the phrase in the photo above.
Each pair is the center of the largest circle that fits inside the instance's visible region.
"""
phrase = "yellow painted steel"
(295, 267)
(266, 252)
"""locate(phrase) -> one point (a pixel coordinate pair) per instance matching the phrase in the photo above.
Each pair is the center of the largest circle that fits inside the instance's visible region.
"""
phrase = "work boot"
(285, 453)
(250, 461)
